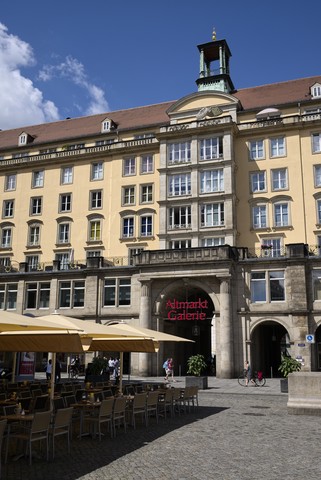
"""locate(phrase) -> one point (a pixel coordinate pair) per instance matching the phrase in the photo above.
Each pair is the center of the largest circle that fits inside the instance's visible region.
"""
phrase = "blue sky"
(71, 58)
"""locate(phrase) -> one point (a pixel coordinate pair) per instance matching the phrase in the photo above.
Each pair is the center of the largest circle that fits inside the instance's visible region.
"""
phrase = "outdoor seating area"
(33, 419)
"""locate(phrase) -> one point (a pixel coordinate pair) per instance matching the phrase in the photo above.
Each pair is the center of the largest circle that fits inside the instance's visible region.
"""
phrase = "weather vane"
(214, 34)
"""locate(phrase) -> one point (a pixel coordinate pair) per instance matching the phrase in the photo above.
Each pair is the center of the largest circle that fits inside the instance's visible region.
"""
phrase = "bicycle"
(258, 379)
(74, 372)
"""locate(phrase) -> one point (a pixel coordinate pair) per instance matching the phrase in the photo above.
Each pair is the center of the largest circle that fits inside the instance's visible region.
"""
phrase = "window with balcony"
(213, 241)
(212, 181)
(63, 233)
(277, 147)
(279, 179)
(256, 148)
(146, 225)
(10, 182)
(36, 206)
(71, 294)
(259, 216)
(96, 199)
(271, 247)
(316, 142)
(267, 286)
(212, 214)
(128, 227)
(146, 193)
(179, 152)
(211, 148)
(67, 175)
(34, 235)
(63, 260)
(8, 209)
(129, 166)
(8, 296)
(38, 177)
(97, 171)
(281, 215)
(146, 164)
(117, 292)
(179, 185)
(132, 252)
(64, 202)
(180, 217)
(128, 195)
(258, 181)
(32, 262)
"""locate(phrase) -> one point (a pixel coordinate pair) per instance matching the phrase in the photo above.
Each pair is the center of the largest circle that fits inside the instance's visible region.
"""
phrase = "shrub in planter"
(196, 365)
(288, 365)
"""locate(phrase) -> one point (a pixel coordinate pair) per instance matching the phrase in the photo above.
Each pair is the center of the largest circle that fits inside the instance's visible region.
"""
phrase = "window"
(179, 185)
(117, 292)
(128, 227)
(23, 139)
(316, 279)
(93, 253)
(34, 235)
(65, 202)
(316, 143)
(105, 126)
(128, 195)
(259, 219)
(129, 166)
(271, 247)
(146, 164)
(317, 175)
(277, 147)
(180, 217)
(211, 148)
(6, 237)
(132, 252)
(146, 193)
(318, 211)
(66, 175)
(179, 152)
(212, 181)
(64, 233)
(10, 182)
(267, 286)
(146, 226)
(37, 295)
(258, 181)
(316, 90)
(71, 294)
(212, 215)
(36, 206)
(8, 296)
(97, 171)
(213, 242)
(38, 178)
(257, 150)
(63, 259)
(94, 230)
(96, 200)
(281, 215)
(177, 244)
(33, 262)
(279, 179)
(8, 207)
(76, 146)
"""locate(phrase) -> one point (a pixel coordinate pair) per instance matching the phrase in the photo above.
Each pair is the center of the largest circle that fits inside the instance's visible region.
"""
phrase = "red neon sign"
(177, 310)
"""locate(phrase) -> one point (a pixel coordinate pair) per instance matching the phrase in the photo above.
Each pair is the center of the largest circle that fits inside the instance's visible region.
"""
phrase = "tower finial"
(214, 34)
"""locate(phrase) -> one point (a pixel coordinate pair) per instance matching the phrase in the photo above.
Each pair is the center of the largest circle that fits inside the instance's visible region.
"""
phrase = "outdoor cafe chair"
(26, 403)
(103, 416)
(176, 400)
(138, 407)
(61, 425)
(36, 392)
(152, 405)
(58, 403)
(119, 413)
(25, 393)
(3, 427)
(107, 393)
(36, 431)
(69, 400)
(165, 403)
(40, 403)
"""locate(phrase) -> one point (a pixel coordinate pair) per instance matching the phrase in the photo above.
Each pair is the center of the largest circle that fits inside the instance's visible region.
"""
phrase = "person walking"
(248, 373)
(49, 370)
(170, 370)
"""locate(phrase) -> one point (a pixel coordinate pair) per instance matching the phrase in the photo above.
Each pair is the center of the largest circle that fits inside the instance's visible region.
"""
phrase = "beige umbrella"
(10, 321)
(148, 332)
(122, 344)
(40, 341)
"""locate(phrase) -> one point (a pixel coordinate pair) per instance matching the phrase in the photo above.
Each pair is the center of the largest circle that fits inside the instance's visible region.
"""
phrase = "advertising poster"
(26, 365)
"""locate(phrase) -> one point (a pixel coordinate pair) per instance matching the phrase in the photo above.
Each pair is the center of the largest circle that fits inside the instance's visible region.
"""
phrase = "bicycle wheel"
(260, 382)
(242, 381)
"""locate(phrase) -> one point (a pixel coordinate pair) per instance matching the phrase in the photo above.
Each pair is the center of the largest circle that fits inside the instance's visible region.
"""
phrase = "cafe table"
(13, 419)
(85, 407)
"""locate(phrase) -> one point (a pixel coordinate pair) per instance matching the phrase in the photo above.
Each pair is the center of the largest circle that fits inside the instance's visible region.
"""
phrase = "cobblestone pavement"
(236, 433)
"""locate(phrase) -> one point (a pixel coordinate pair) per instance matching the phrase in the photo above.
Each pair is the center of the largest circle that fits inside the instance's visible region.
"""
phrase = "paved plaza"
(237, 433)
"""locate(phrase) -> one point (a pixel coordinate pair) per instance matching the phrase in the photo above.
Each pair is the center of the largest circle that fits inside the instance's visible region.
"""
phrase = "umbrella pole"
(52, 380)
(121, 361)
(14, 366)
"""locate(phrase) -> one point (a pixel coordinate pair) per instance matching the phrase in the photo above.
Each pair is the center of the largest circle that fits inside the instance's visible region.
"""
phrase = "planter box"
(97, 378)
(284, 385)
(200, 382)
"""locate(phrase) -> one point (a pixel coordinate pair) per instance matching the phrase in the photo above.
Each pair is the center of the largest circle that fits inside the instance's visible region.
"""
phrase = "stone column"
(226, 333)
(145, 317)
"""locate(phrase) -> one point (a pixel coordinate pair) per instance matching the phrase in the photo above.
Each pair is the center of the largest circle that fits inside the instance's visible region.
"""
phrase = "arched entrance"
(187, 311)
(269, 341)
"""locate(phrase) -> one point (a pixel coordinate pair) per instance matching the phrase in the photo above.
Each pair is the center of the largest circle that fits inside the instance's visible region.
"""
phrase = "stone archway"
(186, 310)
(269, 341)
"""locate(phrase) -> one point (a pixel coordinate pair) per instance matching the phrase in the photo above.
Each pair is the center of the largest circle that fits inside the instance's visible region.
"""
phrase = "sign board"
(309, 338)
(301, 344)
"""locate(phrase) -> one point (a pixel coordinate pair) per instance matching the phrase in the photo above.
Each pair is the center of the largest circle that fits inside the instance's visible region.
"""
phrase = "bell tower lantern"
(214, 66)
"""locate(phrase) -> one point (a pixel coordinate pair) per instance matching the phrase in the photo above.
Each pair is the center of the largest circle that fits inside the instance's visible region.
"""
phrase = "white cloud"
(21, 103)
(72, 70)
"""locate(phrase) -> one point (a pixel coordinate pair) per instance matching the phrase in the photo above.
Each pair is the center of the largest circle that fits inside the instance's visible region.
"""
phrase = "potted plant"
(288, 365)
(196, 365)
(97, 370)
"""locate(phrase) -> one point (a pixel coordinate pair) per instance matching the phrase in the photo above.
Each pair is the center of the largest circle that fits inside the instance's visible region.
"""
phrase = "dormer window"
(107, 125)
(316, 90)
(23, 139)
